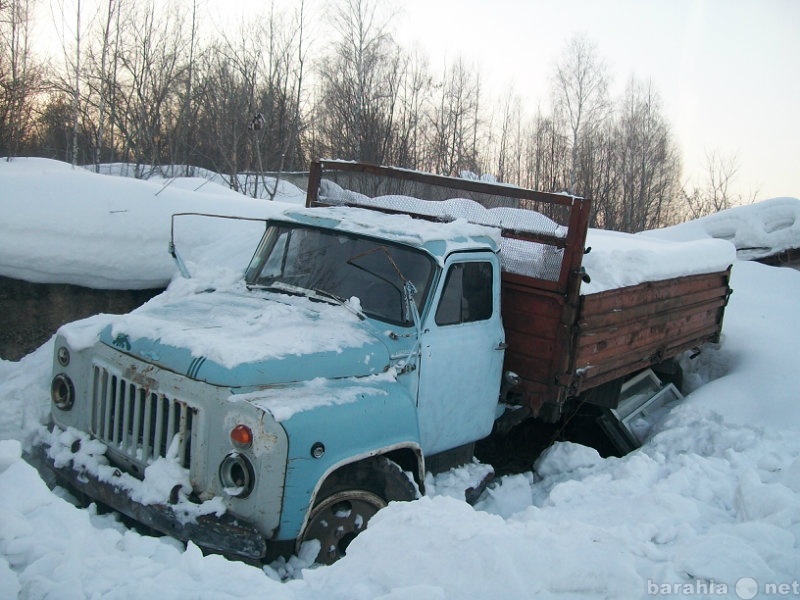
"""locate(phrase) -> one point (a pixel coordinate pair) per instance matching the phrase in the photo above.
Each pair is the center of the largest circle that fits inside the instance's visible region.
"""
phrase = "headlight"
(62, 392)
(236, 475)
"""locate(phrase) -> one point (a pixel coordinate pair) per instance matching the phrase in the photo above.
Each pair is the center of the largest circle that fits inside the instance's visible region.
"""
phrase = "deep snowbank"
(757, 230)
(64, 225)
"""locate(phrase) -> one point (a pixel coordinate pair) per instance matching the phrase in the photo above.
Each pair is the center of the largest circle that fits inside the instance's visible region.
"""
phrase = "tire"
(348, 500)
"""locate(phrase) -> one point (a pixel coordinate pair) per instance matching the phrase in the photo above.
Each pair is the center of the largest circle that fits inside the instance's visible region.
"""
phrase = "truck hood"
(249, 339)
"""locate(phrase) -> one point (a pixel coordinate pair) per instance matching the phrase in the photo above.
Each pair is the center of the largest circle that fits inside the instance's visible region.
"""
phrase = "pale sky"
(728, 71)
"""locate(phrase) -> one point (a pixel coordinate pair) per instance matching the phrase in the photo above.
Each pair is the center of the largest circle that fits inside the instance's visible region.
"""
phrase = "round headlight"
(62, 392)
(236, 475)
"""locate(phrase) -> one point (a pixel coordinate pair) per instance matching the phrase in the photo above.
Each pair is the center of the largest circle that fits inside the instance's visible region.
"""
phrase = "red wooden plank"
(652, 291)
(617, 316)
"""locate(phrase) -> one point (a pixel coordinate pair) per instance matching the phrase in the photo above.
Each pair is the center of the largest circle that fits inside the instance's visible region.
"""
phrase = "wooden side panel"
(560, 350)
(625, 330)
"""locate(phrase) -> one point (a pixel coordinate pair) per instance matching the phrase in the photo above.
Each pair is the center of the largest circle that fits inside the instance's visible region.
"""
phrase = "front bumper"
(225, 534)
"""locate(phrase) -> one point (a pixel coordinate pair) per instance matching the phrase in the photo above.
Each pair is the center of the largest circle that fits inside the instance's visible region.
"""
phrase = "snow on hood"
(237, 333)
(285, 402)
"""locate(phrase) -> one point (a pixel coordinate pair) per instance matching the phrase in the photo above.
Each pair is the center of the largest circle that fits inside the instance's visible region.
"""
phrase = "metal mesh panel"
(518, 217)
(532, 259)
(137, 422)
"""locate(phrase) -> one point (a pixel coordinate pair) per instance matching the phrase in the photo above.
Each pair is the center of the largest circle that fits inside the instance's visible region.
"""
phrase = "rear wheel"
(348, 500)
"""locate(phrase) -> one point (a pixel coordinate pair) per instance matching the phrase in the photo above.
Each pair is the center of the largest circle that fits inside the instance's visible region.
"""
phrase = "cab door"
(461, 355)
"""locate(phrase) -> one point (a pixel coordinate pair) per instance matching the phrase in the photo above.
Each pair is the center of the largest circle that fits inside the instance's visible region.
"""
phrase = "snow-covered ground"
(709, 506)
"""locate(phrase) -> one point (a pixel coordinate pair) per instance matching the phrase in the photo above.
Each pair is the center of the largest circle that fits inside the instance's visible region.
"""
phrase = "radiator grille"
(137, 422)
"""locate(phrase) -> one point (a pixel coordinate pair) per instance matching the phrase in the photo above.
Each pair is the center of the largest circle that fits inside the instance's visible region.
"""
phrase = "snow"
(757, 230)
(709, 506)
(64, 225)
(620, 259)
(231, 327)
(616, 259)
(284, 403)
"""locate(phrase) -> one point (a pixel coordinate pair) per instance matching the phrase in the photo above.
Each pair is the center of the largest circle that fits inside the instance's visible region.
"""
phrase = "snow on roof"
(440, 238)
(65, 225)
(757, 230)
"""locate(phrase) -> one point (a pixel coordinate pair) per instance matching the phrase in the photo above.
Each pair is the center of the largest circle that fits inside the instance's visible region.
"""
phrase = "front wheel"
(338, 519)
(348, 500)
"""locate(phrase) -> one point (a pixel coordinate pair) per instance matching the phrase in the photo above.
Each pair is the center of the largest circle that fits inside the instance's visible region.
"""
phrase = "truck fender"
(380, 419)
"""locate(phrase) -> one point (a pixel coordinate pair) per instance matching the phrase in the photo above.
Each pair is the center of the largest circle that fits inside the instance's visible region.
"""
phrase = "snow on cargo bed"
(622, 259)
(614, 260)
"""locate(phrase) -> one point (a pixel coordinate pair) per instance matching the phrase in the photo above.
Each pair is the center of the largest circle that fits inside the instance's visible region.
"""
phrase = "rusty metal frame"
(573, 243)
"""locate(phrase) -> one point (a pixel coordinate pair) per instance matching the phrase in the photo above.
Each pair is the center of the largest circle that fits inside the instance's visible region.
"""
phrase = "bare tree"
(598, 160)
(20, 77)
(414, 96)
(716, 193)
(77, 90)
(71, 37)
(648, 166)
(580, 91)
(452, 144)
(151, 66)
(103, 87)
(546, 155)
(509, 150)
(359, 84)
(228, 91)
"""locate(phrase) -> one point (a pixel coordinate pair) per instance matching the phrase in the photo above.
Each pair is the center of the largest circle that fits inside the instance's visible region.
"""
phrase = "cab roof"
(438, 238)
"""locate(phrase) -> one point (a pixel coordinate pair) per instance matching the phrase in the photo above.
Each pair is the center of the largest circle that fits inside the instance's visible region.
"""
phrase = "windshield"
(329, 264)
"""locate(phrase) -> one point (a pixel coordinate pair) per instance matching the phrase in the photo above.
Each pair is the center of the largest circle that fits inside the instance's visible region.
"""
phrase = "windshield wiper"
(280, 286)
(311, 294)
(341, 302)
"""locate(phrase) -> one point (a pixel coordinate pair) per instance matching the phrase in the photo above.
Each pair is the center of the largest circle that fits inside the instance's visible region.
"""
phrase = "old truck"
(362, 348)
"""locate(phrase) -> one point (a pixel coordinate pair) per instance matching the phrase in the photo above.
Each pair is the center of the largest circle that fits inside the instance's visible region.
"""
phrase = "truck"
(377, 334)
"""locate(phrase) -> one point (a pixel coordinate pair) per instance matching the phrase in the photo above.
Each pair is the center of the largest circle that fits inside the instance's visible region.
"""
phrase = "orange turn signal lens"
(242, 436)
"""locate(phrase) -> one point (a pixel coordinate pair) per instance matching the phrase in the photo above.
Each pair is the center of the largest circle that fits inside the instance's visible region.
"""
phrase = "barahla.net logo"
(745, 588)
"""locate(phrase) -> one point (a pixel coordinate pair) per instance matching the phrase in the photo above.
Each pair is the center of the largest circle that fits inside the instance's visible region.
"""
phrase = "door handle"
(501, 346)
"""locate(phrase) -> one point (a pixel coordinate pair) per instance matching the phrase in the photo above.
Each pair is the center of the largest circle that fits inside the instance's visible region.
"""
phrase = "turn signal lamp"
(242, 436)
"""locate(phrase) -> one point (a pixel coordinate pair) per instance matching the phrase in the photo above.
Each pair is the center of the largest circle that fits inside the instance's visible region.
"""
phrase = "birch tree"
(648, 165)
(359, 84)
(20, 77)
(580, 92)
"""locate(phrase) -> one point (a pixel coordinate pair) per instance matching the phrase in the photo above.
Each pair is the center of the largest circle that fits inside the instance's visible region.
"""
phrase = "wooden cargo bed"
(562, 347)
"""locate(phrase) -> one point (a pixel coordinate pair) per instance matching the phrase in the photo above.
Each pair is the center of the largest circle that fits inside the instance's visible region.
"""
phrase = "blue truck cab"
(297, 402)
